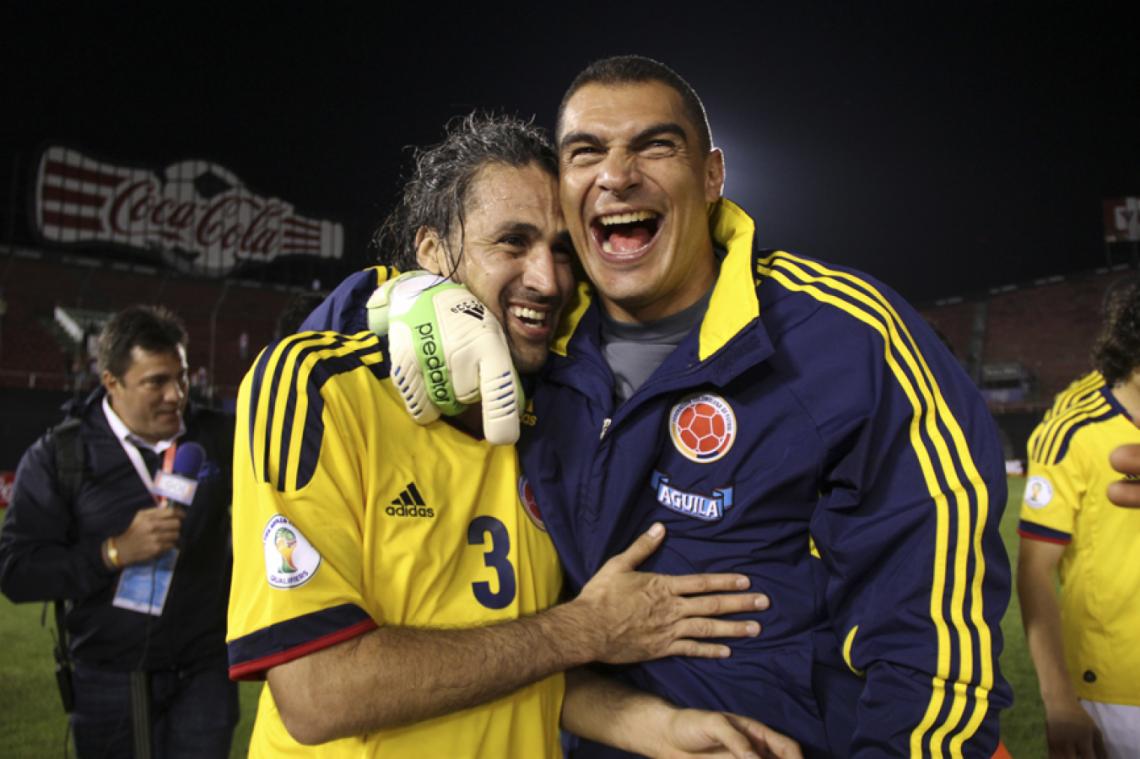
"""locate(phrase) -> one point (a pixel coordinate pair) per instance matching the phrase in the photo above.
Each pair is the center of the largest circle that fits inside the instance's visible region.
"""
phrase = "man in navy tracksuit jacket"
(785, 418)
(808, 429)
(857, 478)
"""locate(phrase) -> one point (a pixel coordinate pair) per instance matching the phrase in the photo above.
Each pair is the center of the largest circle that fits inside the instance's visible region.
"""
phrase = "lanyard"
(141, 468)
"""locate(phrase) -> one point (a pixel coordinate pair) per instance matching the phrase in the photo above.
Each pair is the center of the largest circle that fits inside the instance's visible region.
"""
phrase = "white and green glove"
(447, 352)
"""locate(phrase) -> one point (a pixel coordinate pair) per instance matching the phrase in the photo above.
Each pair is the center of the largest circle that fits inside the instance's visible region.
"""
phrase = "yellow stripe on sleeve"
(929, 407)
(1056, 430)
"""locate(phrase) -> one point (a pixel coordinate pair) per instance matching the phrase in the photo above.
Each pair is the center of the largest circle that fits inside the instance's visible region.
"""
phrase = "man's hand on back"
(692, 733)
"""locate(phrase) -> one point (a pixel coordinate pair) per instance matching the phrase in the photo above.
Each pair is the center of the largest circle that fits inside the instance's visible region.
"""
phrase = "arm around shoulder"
(395, 676)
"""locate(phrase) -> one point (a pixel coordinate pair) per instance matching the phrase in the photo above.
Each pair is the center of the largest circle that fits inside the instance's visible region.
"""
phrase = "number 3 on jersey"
(494, 533)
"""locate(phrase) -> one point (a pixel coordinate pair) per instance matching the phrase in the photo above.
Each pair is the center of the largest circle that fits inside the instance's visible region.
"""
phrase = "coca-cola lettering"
(191, 206)
(122, 205)
(259, 238)
(139, 203)
(218, 224)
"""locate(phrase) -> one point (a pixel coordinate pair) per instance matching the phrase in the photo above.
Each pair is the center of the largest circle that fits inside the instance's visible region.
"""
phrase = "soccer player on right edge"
(1085, 645)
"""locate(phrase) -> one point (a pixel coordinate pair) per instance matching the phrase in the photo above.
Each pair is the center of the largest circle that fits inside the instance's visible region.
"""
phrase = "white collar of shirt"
(124, 435)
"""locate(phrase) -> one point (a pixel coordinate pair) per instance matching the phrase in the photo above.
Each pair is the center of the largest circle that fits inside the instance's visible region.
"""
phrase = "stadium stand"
(1027, 341)
(36, 352)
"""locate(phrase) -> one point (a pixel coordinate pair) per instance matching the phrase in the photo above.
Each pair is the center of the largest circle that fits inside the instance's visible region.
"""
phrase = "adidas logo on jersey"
(469, 308)
(409, 504)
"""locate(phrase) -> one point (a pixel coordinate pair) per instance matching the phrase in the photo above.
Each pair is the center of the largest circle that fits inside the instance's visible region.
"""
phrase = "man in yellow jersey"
(393, 582)
(1084, 644)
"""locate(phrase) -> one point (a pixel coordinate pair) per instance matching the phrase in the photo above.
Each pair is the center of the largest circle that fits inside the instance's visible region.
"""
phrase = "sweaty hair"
(155, 329)
(637, 69)
(435, 195)
(1117, 351)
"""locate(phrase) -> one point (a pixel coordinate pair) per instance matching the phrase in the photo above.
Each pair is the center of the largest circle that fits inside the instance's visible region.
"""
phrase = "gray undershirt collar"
(634, 351)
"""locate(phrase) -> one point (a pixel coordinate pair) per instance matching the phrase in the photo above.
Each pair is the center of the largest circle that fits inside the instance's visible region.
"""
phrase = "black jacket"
(50, 548)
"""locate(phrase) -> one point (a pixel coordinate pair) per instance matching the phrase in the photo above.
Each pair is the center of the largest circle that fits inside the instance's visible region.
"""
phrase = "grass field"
(32, 725)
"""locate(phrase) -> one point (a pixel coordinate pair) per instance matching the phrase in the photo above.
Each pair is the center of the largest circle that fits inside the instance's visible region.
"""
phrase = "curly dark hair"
(436, 194)
(1116, 353)
(155, 329)
(637, 69)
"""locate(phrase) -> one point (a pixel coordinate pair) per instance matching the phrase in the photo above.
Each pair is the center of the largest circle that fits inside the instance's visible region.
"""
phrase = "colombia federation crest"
(703, 427)
(530, 503)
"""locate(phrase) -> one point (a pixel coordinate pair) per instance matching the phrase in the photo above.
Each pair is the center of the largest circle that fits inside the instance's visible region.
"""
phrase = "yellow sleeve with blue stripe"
(299, 499)
(1058, 478)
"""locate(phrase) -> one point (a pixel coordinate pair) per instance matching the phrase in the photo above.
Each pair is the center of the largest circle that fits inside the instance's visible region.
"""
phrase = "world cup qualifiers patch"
(703, 427)
(1038, 492)
(290, 560)
(530, 503)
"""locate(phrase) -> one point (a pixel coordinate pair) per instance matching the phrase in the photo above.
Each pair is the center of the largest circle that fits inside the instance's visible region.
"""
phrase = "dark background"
(945, 148)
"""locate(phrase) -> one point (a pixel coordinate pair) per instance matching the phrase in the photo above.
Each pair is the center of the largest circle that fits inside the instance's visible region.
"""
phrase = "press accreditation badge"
(144, 587)
(290, 560)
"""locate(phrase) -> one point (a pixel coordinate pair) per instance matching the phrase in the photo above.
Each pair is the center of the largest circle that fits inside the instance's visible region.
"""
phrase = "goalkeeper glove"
(447, 352)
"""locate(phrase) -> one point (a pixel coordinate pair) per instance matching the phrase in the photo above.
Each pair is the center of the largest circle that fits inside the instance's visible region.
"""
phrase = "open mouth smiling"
(623, 236)
(529, 316)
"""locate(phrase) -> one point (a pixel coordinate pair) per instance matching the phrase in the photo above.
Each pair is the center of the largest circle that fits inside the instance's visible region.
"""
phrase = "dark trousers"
(192, 714)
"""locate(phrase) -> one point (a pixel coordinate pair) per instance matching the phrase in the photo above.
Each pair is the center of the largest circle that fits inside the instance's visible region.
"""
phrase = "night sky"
(943, 148)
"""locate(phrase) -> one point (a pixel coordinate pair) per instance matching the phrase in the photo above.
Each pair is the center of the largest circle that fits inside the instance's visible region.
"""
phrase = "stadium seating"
(35, 352)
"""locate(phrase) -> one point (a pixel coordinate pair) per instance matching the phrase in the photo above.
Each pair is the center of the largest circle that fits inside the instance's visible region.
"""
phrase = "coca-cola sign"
(198, 213)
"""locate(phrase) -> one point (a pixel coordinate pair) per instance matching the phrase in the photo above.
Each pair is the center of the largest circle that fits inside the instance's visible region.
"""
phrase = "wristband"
(112, 553)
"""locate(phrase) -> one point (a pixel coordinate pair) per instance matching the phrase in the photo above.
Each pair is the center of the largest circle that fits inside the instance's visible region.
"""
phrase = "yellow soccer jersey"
(1080, 389)
(1083, 390)
(348, 515)
(1066, 503)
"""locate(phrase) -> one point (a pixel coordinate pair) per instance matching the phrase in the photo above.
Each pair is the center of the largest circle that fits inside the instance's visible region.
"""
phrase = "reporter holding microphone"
(122, 512)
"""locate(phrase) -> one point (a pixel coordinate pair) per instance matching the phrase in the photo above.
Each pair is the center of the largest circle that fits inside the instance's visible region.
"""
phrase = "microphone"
(180, 484)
